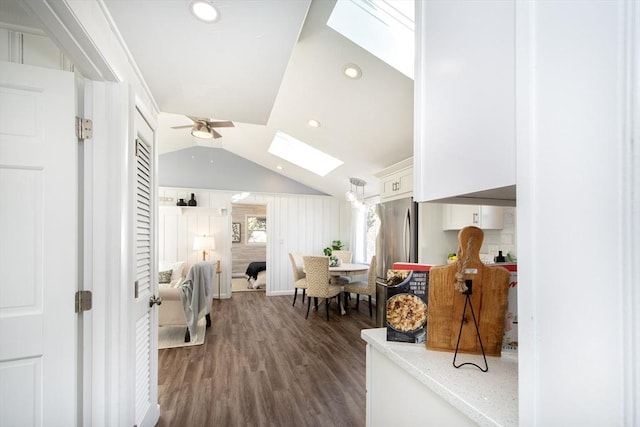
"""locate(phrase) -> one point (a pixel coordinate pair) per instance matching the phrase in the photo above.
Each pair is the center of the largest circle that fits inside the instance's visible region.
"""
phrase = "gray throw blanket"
(195, 294)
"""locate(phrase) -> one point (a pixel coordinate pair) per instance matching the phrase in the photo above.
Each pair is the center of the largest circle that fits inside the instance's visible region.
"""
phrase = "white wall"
(295, 223)
(578, 348)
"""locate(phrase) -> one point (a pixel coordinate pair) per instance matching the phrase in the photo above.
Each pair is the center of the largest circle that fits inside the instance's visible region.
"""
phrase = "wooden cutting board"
(489, 290)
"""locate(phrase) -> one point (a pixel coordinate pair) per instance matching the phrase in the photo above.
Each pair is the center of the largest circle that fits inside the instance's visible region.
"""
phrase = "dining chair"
(364, 288)
(299, 276)
(318, 282)
(344, 257)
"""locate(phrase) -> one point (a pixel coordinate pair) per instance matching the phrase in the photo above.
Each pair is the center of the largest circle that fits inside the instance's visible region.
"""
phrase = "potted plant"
(336, 245)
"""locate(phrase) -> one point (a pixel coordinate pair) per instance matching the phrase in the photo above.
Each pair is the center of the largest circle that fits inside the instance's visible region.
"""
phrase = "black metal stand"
(467, 301)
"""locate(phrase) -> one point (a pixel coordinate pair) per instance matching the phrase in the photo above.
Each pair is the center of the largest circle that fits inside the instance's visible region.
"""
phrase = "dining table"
(347, 269)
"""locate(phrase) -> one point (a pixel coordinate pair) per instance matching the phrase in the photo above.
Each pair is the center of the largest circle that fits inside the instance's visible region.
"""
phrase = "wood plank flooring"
(263, 364)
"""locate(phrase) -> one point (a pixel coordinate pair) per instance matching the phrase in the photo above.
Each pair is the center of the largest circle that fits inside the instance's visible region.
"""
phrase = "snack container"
(510, 341)
(406, 306)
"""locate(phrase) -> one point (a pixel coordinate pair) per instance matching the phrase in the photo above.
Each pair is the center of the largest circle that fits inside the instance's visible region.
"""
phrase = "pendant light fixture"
(354, 197)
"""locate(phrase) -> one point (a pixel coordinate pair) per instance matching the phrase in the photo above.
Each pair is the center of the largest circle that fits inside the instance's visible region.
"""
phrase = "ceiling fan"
(204, 128)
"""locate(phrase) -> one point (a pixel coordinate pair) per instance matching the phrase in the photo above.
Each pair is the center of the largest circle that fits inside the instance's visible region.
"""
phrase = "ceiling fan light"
(200, 130)
(204, 11)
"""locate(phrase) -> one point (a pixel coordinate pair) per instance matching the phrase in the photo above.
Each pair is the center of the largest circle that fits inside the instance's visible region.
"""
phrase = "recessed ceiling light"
(204, 11)
(279, 167)
(352, 71)
(314, 123)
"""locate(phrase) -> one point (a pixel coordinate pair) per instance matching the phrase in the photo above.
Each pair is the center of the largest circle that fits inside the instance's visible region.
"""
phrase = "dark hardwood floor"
(263, 364)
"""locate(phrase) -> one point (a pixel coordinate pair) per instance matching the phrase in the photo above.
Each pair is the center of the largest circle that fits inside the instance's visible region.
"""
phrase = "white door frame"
(81, 30)
(107, 264)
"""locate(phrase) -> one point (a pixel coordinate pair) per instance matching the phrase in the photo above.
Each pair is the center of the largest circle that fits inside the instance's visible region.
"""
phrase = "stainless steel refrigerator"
(397, 241)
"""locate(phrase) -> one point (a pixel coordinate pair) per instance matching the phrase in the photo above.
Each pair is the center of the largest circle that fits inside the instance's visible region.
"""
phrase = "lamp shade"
(203, 243)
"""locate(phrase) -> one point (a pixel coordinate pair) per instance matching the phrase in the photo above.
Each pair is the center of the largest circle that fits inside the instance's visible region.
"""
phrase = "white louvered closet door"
(145, 287)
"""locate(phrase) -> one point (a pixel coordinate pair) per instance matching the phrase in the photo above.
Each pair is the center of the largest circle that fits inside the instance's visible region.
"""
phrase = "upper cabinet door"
(457, 217)
(397, 185)
(464, 98)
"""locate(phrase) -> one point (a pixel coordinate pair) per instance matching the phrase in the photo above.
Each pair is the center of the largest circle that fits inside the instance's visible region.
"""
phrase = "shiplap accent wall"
(295, 223)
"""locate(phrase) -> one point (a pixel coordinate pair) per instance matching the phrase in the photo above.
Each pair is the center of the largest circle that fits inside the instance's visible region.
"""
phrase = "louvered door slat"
(143, 220)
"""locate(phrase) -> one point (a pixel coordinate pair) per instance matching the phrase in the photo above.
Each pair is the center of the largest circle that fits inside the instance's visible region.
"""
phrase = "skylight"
(385, 28)
(303, 155)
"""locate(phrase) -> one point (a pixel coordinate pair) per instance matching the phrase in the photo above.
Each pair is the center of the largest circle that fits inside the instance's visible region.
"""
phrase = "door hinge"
(84, 128)
(83, 301)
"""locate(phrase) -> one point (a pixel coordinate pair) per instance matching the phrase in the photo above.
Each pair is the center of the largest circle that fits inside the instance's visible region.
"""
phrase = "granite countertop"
(489, 398)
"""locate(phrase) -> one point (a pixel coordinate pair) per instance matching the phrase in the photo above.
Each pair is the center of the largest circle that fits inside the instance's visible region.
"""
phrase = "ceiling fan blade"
(181, 127)
(197, 119)
(221, 124)
(215, 134)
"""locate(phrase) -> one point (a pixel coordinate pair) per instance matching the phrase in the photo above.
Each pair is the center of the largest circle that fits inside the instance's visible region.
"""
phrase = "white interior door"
(38, 247)
(146, 323)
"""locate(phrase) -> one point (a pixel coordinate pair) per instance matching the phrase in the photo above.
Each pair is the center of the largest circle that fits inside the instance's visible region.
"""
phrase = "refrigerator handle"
(407, 235)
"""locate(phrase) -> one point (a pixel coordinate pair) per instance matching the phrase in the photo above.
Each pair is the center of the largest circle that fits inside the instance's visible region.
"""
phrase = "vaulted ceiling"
(268, 66)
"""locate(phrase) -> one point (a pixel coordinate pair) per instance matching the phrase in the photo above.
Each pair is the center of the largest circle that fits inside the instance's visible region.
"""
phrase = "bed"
(256, 274)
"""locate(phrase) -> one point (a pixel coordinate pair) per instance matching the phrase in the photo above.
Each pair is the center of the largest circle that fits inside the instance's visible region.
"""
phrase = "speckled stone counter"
(486, 398)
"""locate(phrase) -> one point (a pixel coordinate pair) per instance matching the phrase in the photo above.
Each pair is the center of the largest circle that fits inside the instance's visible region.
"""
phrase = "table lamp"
(204, 243)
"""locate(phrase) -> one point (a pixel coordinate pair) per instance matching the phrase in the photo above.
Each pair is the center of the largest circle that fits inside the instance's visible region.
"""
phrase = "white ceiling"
(268, 66)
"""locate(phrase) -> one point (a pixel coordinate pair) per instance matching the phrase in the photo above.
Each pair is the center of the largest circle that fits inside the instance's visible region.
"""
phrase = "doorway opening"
(249, 247)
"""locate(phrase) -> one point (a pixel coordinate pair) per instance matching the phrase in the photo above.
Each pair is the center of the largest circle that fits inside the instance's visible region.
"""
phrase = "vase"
(181, 202)
(192, 201)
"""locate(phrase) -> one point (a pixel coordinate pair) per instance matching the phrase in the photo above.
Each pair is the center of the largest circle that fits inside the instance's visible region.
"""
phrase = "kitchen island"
(408, 385)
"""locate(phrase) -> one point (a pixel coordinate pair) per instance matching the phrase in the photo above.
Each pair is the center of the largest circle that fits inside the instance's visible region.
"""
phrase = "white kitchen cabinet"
(397, 186)
(408, 385)
(456, 217)
(464, 96)
(396, 181)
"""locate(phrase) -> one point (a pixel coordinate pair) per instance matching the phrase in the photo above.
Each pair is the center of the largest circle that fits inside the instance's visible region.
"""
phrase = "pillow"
(165, 276)
(176, 268)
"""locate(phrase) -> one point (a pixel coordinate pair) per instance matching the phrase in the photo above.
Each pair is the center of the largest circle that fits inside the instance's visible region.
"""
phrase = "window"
(373, 226)
(256, 229)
